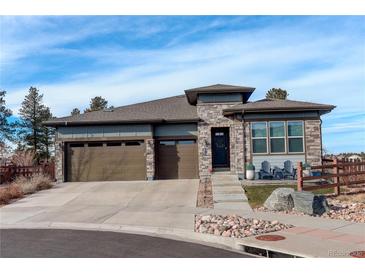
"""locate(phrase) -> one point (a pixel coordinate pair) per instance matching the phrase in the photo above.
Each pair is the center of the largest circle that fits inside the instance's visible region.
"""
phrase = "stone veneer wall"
(211, 116)
(313, 142)
(59, 159)
(247, 142)
(150, 159)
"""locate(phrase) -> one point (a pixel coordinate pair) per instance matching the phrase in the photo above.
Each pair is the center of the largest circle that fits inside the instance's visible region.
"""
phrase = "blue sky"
(129, 59)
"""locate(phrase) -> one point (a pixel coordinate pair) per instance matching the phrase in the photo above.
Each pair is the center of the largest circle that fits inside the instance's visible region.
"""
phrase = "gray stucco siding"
(190, 129)
(219, 98)
(277, 160)
(104, 131)
(281, 116)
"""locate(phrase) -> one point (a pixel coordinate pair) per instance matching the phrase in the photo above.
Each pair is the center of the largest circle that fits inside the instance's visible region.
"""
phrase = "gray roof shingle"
(275, 105)
(178, 109)
(171, 109)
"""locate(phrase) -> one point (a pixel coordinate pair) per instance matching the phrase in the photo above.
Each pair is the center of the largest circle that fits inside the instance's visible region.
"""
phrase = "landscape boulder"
(280, 199)
(309, 203)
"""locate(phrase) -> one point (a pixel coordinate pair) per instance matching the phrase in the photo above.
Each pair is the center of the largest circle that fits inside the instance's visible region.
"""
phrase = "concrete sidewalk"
(311, 236)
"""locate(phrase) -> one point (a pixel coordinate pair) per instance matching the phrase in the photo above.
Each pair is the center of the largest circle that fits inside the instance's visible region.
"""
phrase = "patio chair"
(288, 170)
(278, 173)
(265, 171)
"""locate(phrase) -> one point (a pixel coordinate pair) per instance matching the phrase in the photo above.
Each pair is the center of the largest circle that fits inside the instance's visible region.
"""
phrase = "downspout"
(320, 132)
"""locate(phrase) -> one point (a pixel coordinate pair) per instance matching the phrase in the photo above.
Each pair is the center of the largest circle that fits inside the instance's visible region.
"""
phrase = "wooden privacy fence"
(333, 174)
(10, 172)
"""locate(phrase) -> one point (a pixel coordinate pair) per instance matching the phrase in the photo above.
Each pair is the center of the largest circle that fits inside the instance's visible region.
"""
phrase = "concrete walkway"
(312, 236)
(228, 193)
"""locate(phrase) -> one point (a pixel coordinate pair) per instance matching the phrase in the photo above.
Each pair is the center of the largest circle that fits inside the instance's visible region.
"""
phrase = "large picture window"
(259, 137)
(277, 137)
(295, 136)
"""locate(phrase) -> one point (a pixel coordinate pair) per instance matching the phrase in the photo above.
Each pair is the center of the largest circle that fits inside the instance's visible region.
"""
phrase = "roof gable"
(192, 94)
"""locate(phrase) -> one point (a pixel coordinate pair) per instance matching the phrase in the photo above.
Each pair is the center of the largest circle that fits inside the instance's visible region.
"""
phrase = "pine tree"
(75, 111)
(6, 128)
(277, 93)
(47, 135)
(31, 131)
(97, 103)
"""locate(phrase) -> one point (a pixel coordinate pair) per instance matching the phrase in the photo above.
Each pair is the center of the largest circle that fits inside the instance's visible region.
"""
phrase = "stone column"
(204, 150)
(59, 160)
(313, 142)
(239, 149)
(247, 143)
(150, 159)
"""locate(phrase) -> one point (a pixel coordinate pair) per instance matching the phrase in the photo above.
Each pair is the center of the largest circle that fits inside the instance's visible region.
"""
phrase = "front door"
(220, 147)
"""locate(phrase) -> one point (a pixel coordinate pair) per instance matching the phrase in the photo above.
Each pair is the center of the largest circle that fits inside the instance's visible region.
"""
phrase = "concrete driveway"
(168, 203)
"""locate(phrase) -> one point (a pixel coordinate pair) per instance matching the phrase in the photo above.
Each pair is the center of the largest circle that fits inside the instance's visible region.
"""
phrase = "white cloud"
(227, 58)
(313, 66)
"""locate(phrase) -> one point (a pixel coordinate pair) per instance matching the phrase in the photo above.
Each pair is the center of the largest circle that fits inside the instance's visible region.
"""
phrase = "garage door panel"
(177, 161)
(106, 163)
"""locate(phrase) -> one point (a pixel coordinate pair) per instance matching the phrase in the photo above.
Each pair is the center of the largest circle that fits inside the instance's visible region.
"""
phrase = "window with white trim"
(259, 137)
(277, 137)
(295, 137)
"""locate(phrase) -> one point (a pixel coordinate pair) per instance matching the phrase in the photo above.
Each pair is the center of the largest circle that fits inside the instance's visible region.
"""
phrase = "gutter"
(116, 122)
(232, 111)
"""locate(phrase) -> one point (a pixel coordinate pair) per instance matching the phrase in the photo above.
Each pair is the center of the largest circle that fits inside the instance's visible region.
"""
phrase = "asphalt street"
(58, 243)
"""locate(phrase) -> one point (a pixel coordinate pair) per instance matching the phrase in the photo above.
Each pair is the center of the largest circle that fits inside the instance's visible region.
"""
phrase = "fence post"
(300, 176)
(336, 179)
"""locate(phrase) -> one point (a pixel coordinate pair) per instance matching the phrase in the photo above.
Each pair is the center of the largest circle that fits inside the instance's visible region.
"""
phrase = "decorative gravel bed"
(339, 209)
(349, 211)
(235, 226)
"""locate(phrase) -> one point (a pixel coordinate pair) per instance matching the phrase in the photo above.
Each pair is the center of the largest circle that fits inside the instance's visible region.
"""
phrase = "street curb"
(249, 245)
(227, 243)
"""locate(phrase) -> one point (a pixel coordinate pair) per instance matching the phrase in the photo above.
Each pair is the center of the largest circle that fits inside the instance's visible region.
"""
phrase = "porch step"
(226, 184)
(229, 188)
(229, 197)
(228, 193)
(232, 206)
(224, 176)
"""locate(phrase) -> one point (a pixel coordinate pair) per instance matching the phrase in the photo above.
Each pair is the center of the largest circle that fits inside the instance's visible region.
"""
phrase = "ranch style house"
(208, 129)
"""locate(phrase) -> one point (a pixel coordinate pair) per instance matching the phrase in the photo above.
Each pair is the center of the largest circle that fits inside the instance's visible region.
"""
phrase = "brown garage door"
(107, 161)
(177, 159)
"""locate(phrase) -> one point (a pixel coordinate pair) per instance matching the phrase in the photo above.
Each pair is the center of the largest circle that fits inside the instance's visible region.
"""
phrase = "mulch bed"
(205, 194)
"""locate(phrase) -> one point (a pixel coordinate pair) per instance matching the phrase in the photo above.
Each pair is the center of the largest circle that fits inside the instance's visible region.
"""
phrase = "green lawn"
(257, 195)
